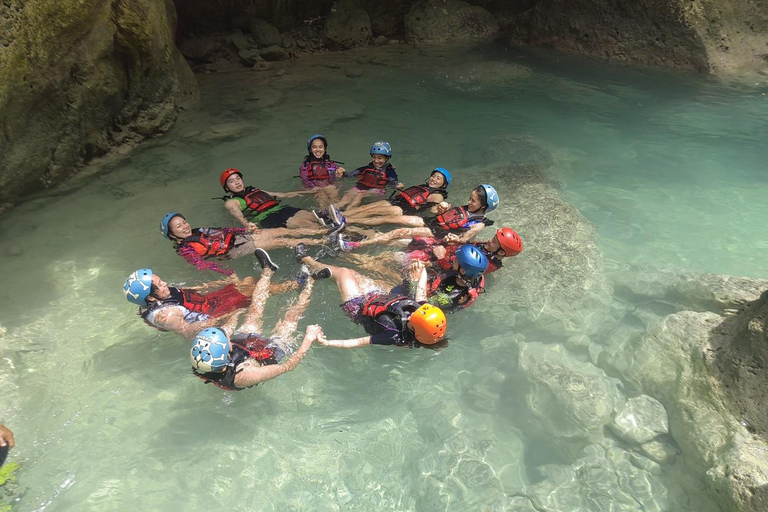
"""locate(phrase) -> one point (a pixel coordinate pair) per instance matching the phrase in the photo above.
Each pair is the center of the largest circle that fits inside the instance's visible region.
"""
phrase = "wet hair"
(482, 195)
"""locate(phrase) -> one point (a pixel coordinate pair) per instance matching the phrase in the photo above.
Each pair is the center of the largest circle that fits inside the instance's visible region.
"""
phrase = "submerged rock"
(510, 149)
(569, 398)
(557, 281)
(441, 21)
(641, 419)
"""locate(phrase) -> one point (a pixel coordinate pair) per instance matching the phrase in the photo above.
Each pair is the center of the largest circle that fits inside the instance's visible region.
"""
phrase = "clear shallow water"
(669, 167)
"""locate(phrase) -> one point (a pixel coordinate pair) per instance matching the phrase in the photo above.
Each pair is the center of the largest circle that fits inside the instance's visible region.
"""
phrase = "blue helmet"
(138, 286)
(381, 148)
(317, 136)
(210, 350)
(491, 198)
(166, 220)
(445, 173)
(472, 260)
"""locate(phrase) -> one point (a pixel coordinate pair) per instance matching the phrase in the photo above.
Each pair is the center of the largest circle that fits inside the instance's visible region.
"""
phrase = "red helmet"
(225, 176)
(510, 241)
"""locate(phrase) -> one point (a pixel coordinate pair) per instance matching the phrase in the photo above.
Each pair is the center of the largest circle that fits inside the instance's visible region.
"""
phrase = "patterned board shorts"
(352, 307)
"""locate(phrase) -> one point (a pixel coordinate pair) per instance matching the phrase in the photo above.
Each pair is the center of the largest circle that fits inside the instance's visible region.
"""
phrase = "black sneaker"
(264, 260)
(300, 251)
(323, 273)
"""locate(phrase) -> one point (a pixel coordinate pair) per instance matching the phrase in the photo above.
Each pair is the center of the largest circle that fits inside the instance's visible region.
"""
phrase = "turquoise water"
(669, 167)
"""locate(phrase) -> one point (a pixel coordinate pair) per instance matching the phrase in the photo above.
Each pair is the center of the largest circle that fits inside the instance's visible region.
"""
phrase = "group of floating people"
(442, 268)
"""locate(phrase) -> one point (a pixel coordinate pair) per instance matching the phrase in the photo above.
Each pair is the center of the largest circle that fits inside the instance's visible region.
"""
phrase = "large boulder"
(347, 26)
(557, 283)
(78, 78)
(688, 361)
(264, 34)
(441, 21)
(707, 35)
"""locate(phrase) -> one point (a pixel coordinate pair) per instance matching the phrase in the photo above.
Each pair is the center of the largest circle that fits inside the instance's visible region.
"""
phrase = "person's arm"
(230, 324)
(435, 198)
(233, 207)
(471, 233)
(417, 275)
(351, 343)
(6, 437)
(200, 263)
(392, 178)
(171, 319)
(288, 195)
(232, 279)
(252, 373)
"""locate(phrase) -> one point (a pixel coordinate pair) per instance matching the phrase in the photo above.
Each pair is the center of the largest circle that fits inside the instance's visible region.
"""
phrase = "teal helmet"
(210, 350)
(445, 173)
(491, 197)
(381, 148)
(138, 286)
(472, 260)
(166, 220)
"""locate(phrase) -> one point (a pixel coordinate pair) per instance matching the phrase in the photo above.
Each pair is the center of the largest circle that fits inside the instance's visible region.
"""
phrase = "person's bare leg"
(380, 211)
(253, 317)
(367, 207)
(247, 248)
(303, 219)
(266, 234)
(290, 320)
(347, 197)
(396, 234)
(350, 283)
(404, 220)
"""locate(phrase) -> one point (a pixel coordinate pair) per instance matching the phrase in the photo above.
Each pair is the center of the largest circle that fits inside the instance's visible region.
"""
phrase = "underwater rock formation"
(79, 78)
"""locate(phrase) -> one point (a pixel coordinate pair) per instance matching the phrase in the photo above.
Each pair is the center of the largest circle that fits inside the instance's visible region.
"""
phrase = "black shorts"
(279, 217)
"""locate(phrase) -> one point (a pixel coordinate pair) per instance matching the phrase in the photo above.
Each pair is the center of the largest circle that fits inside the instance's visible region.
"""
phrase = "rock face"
(555, 237)
(440, 21)
(77, 78)
(347, 26)
(707, 35)
(691, 362)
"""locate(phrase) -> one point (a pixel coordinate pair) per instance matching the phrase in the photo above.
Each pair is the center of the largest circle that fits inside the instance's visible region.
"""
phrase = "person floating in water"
(318, 172)
(255, 208)
(416, 200)
(372, 179)
(465, 221)
(506, 243)
(459, 286)
(234, 359)
(388, 318)
(186, 311)
(199, 245)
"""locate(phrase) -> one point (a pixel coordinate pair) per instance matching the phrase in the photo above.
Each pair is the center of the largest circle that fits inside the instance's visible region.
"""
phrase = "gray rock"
(250, 57)
(380, 40)
(273, 53)
(238, 41)
(262, 66)
(201, 49)
(347, 26)
(689, 291)
(441, 21)
(600, 481)
(555, 237)
(569, 398)
(510, 149)
(264, 34)
(641, 419)
(660, 452)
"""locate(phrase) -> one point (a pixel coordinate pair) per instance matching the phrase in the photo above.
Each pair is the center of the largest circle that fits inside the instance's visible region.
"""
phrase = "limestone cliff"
(78, 78)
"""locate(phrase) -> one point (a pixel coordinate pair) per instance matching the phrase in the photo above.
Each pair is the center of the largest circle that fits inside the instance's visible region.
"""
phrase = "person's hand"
(399, 186)
(439, 251)
(252, 227)
(6, 437)
(340, 172)
(321, 339)
(313, 331)
(451, 239)
(442, 208)
(415, 269)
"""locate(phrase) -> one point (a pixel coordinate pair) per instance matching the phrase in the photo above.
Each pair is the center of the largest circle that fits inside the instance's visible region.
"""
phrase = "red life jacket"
(244, 347)
(416, 196)
(318, 170)
(209, 241)
(258, 200)
(372, 177)
(189, 299)
(386, 303)
(446, 263)
(457, 218)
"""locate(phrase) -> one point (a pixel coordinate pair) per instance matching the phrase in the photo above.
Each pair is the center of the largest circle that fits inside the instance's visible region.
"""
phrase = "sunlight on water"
(668, 167)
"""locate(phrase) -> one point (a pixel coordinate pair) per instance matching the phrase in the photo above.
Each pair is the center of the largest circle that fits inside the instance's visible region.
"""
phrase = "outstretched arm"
(233, 207)
(251, 373)
(172, 320)
(352, 343)
(288, 195)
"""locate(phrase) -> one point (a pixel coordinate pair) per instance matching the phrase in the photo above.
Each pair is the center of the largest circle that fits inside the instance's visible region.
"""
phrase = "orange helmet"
(428, 323)
(225, 176)
(510, 241)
